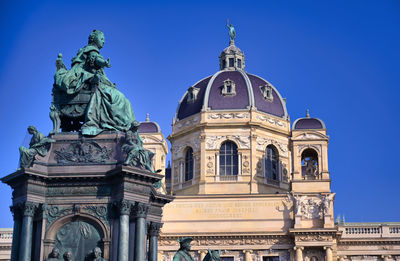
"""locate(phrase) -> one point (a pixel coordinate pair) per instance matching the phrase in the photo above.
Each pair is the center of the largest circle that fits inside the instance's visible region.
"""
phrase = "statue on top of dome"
(232, 32)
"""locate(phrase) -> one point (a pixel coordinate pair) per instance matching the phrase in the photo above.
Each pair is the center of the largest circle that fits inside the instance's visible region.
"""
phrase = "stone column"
(154, 231)
(25, 249)
(341, 258)
(140, 212)
(16, 210)
(123, 237)
(328, 253)
(299, 253)
(247, 255)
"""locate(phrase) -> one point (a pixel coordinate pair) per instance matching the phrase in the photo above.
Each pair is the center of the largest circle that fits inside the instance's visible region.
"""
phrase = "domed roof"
(308, 123)
(248, 93)
(231, 88)
(149, 126)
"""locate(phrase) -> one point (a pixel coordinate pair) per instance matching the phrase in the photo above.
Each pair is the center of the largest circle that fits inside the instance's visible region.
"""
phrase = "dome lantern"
(231, 58)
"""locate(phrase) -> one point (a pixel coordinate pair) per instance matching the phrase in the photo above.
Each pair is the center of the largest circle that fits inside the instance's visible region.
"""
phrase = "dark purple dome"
(247, 94)
(308, 123)
(149, 127)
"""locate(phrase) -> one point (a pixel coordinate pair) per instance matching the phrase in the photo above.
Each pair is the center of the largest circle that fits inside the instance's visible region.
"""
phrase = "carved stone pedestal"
(79, 197)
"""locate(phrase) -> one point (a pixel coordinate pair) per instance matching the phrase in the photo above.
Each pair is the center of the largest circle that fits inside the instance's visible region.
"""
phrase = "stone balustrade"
(6, 235)
(369, 230)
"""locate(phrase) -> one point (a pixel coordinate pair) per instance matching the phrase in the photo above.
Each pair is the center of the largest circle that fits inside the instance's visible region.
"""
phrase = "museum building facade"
(253, 184)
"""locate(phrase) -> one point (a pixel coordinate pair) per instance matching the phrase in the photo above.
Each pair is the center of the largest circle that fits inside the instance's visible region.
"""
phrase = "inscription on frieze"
(82, 151)
(222, 210)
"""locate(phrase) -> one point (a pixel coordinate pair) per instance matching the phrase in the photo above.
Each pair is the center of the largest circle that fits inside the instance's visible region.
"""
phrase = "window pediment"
(192, 94)
(229, 88)
(266, 91)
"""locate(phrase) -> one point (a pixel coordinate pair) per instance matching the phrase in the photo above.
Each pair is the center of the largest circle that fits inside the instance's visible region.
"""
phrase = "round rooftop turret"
(308, 123)
(231, 88)
(149, 126)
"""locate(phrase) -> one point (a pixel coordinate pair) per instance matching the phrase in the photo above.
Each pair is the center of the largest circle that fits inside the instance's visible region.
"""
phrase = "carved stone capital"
(327, 248)
(29, 209)
(140, 210)
(298, 248)
(124, 207)
(154, 228)
(16, 211)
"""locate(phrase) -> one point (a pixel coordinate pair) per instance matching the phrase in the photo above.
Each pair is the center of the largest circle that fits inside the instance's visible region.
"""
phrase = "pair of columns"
(299, 253)
(140, 213)
(22, 233)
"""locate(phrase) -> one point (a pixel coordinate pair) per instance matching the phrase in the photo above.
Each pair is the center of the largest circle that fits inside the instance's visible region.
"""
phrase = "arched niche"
(309, 163)
(78, 234)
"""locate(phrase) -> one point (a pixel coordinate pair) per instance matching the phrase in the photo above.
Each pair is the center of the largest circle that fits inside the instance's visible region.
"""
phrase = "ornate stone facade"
(265, 196)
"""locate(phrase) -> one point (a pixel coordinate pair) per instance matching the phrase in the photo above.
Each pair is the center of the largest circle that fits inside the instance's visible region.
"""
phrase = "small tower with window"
(311, 177)
(310, 155)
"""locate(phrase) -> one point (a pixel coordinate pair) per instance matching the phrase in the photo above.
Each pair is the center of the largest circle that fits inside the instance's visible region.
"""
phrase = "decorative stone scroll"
(263, 142)
(178, 147)
(232, 115)
(271, 121)
(186, 123)
(242, 140)
(317, 148)
(55, 212)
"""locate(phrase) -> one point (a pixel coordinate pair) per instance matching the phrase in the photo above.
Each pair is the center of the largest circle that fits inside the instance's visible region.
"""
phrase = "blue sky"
(340, 59)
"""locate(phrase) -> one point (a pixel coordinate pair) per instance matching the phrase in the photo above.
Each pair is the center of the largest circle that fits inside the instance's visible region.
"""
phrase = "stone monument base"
(79, 197)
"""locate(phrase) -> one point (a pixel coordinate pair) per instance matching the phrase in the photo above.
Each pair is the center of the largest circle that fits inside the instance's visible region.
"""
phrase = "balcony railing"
(369, 230)
(6, 235)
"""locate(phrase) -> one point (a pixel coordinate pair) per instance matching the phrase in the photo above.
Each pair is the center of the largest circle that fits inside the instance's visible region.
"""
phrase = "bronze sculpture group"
(86, 101)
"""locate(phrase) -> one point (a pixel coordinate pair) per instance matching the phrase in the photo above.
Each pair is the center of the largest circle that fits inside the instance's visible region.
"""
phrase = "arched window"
(271, 163)
(228, 159)
(309, 163)
(189, 164)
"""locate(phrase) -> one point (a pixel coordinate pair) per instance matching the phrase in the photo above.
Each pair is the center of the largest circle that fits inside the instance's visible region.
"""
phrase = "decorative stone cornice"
(228, 241)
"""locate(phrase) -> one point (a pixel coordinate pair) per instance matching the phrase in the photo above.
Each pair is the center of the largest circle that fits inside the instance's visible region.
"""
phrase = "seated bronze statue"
(84, 99)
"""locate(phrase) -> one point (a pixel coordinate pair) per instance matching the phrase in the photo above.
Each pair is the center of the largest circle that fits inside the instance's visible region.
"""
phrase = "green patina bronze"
(78, 238)
(84, 99)
(212, 255)
(39, 145)
(183, 253)
(136, 155)
(232, 32)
